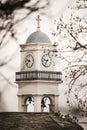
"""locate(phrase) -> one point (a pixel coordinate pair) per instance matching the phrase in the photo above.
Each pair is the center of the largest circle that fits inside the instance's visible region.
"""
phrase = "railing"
(38, 75)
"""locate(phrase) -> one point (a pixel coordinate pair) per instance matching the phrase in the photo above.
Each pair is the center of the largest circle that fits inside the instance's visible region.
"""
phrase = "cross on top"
(38, 22)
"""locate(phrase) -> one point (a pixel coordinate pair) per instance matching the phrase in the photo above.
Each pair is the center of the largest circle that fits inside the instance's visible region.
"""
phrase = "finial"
(38, 22)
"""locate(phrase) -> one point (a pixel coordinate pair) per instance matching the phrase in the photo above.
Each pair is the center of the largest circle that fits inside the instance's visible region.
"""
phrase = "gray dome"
(38, 37)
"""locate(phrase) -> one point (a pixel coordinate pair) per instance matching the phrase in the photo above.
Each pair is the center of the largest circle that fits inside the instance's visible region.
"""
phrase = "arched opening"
(46, 104)
(29, 104)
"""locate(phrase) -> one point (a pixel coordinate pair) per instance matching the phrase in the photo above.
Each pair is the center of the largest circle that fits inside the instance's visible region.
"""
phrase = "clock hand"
(28, 60)
(46, 61)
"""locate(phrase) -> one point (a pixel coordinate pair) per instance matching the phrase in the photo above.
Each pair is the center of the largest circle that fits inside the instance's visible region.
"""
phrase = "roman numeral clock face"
(29, 60)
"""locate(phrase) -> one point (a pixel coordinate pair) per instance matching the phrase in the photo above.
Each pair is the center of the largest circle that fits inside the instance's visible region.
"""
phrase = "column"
(37, 103)
(20, 104)
(56, 103)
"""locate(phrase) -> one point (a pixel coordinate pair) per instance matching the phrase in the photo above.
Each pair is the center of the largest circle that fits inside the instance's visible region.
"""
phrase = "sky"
(8, 90)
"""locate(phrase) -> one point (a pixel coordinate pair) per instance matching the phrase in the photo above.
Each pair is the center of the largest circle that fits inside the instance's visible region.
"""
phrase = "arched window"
(46, 104)
(30, 104)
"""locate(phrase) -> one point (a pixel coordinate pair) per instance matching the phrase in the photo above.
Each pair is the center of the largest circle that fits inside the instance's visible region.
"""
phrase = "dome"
(38, 37)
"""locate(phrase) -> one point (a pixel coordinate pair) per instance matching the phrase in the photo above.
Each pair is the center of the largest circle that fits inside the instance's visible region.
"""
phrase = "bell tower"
(38, 79)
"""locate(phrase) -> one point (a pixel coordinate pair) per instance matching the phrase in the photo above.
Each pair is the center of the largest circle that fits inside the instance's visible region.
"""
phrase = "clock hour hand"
(28, 60)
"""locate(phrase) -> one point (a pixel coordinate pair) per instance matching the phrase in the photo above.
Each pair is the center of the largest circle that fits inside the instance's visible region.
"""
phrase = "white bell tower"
(38, 79)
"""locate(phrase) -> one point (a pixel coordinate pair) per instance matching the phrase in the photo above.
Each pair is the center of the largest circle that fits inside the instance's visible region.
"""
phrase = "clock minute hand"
(46, 60)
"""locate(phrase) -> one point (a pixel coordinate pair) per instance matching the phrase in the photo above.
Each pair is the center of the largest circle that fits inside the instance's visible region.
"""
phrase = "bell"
(43, 103)
(30, 99)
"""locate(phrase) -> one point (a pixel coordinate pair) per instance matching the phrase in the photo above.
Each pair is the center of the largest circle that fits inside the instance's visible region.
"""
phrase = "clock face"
(46, 60)
(29, 60)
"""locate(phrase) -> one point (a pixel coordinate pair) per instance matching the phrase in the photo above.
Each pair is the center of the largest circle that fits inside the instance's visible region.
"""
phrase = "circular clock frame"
(46, 60)
(29, 60)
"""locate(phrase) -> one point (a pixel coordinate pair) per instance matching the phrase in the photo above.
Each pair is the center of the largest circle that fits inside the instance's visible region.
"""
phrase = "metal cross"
(38, 22)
